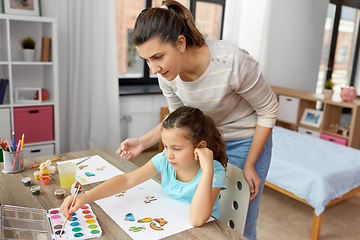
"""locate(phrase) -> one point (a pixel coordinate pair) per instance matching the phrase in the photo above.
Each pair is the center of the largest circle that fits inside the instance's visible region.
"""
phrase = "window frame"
(146, 79)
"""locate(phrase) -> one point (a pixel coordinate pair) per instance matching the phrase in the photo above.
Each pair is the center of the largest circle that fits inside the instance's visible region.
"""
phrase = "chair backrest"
(234, 201)
(164, 111)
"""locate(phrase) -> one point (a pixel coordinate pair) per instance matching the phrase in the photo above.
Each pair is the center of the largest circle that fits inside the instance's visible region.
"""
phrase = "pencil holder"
(13, 162)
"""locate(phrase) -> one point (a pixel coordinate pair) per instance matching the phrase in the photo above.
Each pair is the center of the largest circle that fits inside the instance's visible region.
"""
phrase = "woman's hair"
(167, 23)
(201, 128)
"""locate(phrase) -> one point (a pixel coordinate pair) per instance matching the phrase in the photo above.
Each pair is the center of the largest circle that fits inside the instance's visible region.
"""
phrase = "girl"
(187, 166)
(222, 80)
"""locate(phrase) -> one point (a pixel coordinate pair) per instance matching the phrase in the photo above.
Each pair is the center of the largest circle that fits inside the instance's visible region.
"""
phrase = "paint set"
(31, 223)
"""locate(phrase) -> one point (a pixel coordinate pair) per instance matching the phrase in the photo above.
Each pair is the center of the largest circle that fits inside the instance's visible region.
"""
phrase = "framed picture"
(312, 117)
(22, 7)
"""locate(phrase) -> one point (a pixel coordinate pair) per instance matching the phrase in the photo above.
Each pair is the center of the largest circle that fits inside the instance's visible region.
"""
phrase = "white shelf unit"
(34, 74)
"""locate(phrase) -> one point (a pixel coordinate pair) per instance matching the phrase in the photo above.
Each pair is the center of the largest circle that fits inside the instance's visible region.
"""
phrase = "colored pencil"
(77, 190)
(22, 144)
(9, 146)
(36, 165)
(83, 160)
(16, 155)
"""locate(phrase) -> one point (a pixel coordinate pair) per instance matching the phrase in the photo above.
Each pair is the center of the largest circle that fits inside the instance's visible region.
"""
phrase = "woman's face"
(162, 58)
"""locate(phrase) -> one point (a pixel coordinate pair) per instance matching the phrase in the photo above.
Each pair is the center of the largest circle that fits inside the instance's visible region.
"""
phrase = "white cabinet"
(288, 108)
(5, 126)
(24, 74)
(139, 114)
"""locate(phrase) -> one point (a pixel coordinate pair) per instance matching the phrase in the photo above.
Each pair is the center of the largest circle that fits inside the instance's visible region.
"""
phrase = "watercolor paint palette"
(83, 225)
(31, 223)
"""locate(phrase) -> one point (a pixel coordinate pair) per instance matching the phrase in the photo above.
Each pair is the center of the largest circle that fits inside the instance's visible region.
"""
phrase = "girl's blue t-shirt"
(185, 191)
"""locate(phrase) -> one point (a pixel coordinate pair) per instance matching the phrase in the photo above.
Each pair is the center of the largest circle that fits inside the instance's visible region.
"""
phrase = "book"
(45, 49)
(3, 86)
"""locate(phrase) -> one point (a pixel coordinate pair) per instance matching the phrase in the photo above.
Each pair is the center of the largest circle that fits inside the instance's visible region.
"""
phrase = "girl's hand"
(65, 206)
(253, 180)
(130, 148)
(205, 156)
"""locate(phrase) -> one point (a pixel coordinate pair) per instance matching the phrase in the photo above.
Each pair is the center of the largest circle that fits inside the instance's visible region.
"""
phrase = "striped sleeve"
(173, 100)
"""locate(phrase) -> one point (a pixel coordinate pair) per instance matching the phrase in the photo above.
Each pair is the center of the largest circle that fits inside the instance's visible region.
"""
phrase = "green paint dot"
(77, 229)
(95, 231)
(78, 234)
(92, 226)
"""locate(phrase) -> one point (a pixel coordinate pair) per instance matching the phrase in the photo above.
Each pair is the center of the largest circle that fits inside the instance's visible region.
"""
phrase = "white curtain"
(89, 91)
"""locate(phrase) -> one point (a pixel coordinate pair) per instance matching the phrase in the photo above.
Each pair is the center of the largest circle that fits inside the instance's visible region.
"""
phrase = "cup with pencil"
(13, 156)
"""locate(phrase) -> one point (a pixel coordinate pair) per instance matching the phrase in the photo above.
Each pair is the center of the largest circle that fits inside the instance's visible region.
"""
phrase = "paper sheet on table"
(93, 163)
(175, 212)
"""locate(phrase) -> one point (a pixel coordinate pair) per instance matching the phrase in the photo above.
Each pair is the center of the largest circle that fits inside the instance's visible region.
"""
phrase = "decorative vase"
(328, 93)
(29, 55)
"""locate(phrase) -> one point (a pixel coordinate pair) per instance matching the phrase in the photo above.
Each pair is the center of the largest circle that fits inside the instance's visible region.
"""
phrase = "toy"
(348, 94)
(44, 173)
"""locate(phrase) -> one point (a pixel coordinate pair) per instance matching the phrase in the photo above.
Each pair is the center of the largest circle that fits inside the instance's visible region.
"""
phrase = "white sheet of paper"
(93, 163)
(175, 212)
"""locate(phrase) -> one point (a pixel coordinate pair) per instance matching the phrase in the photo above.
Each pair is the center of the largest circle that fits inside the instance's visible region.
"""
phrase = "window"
(209, 17)
(340, 46)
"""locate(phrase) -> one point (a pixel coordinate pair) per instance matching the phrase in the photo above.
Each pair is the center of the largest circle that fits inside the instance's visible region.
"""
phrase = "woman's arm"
(261, 135)
(130, 148)
(110, 187)
(205, 196)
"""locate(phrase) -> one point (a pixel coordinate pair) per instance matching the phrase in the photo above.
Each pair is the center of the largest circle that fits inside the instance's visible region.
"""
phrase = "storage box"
(334, 139)
(309, 132)
(36, 123)
(5, 126)
(38, 151)
(288, 108)
(28, 95)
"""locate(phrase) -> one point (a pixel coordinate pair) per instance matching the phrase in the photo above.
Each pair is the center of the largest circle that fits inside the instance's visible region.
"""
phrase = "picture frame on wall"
(22, 7)
(312, 117)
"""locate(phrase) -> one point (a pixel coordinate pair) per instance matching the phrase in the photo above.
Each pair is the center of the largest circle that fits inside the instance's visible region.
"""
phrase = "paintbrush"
(61, 231)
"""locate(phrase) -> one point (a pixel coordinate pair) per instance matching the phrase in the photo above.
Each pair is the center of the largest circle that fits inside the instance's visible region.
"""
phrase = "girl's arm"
(205, 196)
(110, 187)
(261, 135)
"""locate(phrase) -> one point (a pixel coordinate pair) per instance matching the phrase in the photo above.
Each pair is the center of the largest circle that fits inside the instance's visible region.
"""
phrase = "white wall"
(284, 36)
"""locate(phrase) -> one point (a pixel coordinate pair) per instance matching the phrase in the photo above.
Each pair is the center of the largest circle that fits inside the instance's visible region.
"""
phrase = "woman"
(222, 80)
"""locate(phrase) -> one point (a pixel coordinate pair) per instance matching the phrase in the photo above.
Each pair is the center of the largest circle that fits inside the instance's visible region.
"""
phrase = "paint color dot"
(90, 221)
(93, 226)
(78, 234)
(58, 232)
(84, 207)
(74, 219)
(73, 214)
(74, 224)
(77, 229)
(55, 222)
(55, 217)
(58, 226)
(88, 216)
(54, 212)
(86, 212)
(95, 231)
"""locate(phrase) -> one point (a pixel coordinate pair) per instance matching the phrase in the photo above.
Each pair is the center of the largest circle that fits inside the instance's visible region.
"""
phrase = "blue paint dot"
(74, 219)
(74, 224)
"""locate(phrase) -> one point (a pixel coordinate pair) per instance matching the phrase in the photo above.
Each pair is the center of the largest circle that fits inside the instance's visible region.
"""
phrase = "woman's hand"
(130, 148)
(205, 156)
(78, 203)
(253, 180)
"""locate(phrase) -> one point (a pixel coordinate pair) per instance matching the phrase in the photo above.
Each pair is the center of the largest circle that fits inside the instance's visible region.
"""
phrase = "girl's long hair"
(167, 25)
(201, 128)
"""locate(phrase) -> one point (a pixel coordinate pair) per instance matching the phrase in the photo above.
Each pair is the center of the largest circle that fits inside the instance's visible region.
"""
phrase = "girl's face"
(179, 150)
(162, 58)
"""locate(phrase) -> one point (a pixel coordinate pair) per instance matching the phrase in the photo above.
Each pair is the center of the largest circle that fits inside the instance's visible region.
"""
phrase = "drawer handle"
(308, 132)
(332, 140)
(35, 151)
(289, 99)
(33, 111)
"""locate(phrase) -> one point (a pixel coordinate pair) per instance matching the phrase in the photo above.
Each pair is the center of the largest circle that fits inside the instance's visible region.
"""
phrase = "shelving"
(35, 74)
(332, 115)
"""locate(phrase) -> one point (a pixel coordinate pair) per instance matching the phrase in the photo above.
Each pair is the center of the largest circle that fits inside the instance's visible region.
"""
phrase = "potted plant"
(328, 91)
(28, 45)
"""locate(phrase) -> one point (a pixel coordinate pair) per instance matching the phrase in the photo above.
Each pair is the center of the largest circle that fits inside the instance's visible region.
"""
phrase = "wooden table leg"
(316, 226)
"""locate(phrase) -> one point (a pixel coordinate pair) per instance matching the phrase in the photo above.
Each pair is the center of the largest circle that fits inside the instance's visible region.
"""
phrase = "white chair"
(234, 201)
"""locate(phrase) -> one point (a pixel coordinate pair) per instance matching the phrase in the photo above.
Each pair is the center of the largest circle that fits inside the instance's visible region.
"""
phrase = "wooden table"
(12, 192)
